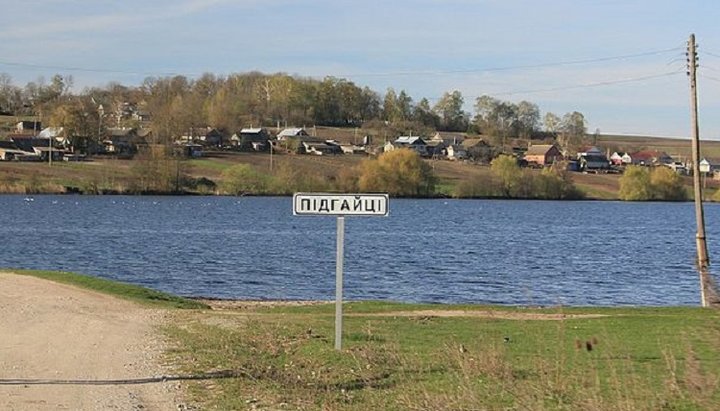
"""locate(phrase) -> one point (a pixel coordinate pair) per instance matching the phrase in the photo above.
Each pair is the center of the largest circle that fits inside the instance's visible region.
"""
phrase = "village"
(28, 141)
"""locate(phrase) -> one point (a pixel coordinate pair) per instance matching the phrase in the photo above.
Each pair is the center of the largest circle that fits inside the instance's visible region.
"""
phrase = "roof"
(28, 144)
(292, 131)
(50, 132)
(595, 158)
(473, 142)
(539, 149)
(648, 154)
(409, 140)
(448, 138)
(589, 150)
(256, 130)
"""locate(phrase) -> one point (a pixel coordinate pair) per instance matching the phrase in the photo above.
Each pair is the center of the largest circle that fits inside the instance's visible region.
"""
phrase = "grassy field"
(412, 357)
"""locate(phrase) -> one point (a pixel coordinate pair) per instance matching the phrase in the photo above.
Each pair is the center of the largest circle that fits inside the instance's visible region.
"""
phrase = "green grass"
(641, 358)
(130, 292)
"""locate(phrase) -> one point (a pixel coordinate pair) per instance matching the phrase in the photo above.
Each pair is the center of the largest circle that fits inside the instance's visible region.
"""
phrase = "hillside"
(106, 174)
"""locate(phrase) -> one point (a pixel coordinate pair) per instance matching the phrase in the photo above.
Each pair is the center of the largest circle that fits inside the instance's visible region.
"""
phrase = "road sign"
(340, 204)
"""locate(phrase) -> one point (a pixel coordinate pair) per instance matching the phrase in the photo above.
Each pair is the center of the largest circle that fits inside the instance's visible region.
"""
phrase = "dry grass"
(646, 359)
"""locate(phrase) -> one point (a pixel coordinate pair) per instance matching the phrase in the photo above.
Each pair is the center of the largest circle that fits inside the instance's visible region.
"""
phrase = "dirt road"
(63, 335)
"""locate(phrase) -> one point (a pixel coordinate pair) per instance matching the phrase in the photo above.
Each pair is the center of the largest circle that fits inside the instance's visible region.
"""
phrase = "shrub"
(399, 172)
(667, 185)
(635, 184)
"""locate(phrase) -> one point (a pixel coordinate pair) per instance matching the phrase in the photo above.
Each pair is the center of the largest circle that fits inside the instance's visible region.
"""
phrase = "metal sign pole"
(339, 281)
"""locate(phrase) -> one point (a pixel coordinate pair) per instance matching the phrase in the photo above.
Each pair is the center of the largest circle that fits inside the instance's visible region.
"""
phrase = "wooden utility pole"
(703, 261)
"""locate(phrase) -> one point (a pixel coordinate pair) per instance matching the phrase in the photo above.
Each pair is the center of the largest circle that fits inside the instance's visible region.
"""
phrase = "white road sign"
(340, 204)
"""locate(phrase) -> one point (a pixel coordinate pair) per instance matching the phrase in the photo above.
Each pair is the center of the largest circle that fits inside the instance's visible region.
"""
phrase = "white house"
(291, 133)
(456, 152)
(411, 142)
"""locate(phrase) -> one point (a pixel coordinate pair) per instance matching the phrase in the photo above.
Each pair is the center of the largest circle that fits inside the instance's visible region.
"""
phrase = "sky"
(621, 63)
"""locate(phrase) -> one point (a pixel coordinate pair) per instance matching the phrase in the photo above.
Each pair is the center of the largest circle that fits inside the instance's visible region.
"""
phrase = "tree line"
(177, 104)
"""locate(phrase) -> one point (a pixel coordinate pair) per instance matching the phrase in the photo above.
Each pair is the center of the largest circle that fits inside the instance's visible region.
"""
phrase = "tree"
(10, 95)
(496, 118)
(506, 169)
(572, 131)
(391, 108)
(528, 118)
(667, 185)
(551, 122)
(450, 111)
(400, 173)
(422, 113)
(635, 184)
(157, 170)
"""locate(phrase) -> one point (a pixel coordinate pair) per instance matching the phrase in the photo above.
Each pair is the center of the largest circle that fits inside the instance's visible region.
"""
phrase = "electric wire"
(591, 85)
(518, 67)
(370, 74)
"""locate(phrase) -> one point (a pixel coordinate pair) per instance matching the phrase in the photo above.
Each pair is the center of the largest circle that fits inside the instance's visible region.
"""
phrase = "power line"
(396, 73)
(518, 67)
(711, 54)
(85, 69)
(711, 78)
(592, 85)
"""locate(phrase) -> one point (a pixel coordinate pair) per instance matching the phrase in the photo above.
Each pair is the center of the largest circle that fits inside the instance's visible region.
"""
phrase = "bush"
(667, 185)
(288, 180)
(400, 173)
(635, 184)
(640, 184)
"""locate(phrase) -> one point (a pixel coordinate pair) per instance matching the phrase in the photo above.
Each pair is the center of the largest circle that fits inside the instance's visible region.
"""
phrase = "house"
(543, 154)
(616, 158)
(435, 148)
(650, 158)
(191, 149)
(448, 138)
(320, 148)
(141, 116)
(456, 152)
(206, 136)
(9, 151)
(42, 148)
(679, 167)
(255, 139)
(592, 158)
(120, 141)
(477, 149)
(28, 127)
(352, 149)
(412, 142)
(293, 132)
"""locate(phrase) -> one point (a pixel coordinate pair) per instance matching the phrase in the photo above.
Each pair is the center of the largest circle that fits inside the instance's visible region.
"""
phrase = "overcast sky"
(619, 62)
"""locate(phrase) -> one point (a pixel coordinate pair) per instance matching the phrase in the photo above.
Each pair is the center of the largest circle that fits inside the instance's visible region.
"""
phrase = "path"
(61, 333)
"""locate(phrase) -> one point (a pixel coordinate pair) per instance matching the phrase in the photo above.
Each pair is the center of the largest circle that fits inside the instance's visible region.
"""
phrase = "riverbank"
(272, 355)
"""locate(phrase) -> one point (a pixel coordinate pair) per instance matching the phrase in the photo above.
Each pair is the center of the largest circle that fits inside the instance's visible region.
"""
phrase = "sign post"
(340, 205)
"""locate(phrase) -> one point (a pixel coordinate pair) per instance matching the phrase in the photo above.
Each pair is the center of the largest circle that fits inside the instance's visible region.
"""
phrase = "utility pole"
(703, 261)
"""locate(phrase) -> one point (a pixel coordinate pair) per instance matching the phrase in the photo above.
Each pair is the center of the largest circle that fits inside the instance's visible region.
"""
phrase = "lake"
(440, 251)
